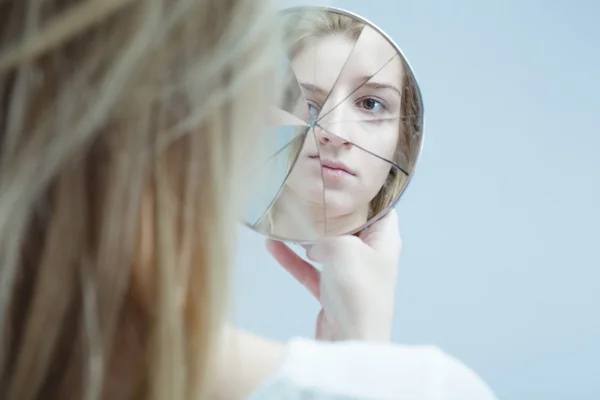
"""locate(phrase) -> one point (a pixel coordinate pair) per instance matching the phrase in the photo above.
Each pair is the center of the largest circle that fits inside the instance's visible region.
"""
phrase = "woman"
(364, 139)
(124, 126)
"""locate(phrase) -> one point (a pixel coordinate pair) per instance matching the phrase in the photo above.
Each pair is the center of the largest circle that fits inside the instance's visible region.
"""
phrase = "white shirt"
(369, 371)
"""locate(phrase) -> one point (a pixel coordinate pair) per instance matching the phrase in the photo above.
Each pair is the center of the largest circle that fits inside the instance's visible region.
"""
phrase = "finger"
(334, 248)
(384, 234)
(302, 271)
(319, 328)
(324, 331)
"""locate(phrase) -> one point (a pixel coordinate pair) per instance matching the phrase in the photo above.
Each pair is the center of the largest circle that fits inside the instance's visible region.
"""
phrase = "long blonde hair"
(122, 127)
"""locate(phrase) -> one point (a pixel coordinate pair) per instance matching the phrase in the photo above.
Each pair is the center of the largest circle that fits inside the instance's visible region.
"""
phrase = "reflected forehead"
(321, 60)
(392, 72)
(375, 43)
(374, 54)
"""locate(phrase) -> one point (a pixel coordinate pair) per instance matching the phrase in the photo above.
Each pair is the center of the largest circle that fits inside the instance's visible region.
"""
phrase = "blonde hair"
(302, 26)
(122, 127)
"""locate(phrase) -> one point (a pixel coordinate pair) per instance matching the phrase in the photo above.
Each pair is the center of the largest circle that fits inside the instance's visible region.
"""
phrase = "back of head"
(122, 127)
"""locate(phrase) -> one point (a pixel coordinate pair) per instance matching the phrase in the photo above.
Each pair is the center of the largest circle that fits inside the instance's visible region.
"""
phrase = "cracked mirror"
(345, 137)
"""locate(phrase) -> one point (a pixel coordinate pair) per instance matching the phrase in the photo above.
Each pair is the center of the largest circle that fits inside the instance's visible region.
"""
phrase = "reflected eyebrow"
(368, 84)
(378, 85)
(314, 89)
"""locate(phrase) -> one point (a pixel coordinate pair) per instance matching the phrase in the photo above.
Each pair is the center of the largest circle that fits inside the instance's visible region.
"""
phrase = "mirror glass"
(345, 136)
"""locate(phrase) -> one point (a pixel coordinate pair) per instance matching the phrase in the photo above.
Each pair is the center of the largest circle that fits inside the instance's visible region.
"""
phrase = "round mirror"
(346, 135)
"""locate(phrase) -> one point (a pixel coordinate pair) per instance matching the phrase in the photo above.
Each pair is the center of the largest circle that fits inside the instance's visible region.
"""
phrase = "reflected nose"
(325, 137)
(330, 129)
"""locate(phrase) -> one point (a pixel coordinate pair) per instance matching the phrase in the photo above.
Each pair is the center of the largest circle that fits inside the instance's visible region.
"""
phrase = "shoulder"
(358, 370)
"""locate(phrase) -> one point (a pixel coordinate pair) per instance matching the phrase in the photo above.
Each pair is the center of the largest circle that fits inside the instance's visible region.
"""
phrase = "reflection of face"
(375, 104)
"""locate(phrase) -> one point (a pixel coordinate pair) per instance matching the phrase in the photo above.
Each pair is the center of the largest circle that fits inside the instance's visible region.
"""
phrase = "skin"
(348, 121)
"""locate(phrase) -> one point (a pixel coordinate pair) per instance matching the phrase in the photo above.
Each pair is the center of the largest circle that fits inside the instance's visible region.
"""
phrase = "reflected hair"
(123, 127)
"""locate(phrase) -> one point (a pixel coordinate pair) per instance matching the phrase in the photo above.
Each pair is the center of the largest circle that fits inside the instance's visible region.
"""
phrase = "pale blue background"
(501, 265)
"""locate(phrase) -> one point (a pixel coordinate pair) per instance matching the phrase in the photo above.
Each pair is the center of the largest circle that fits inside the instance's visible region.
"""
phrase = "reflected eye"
(313, 113)
(370, 105)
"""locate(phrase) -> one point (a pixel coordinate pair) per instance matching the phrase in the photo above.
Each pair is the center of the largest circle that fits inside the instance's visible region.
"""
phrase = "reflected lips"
(334, 169)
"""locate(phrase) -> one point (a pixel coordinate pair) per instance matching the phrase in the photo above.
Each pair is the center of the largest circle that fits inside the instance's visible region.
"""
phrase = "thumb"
(303, 272)
(384, 235)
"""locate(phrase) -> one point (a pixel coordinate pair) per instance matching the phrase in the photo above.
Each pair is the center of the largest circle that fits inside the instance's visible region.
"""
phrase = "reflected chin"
(340, 203)
(309, 193)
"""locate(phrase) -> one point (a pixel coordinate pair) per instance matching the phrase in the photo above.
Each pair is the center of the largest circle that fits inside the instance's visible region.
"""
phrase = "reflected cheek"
(306, 181)
(373, 177)
(309, 146)
(386, 140)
